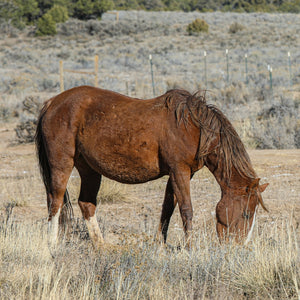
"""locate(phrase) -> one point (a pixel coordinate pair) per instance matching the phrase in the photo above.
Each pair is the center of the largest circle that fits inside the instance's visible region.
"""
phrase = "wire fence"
(208, 74)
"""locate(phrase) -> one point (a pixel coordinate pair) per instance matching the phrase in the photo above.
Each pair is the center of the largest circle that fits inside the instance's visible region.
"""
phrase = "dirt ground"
(140, 209)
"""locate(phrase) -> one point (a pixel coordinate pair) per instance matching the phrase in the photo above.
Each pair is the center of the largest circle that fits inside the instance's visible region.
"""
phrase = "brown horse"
(134, 141)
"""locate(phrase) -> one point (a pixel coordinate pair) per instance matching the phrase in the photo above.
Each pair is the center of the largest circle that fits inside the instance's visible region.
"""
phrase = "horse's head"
(237, 209)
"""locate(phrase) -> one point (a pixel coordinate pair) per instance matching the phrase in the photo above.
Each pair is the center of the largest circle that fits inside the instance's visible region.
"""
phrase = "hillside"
(265, 117)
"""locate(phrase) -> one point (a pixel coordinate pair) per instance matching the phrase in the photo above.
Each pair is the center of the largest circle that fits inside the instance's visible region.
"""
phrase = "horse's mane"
(212, 124)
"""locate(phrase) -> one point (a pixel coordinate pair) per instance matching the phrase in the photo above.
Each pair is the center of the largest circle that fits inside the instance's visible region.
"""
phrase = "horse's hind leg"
(167, 211)
(90, 184)
(55, 199)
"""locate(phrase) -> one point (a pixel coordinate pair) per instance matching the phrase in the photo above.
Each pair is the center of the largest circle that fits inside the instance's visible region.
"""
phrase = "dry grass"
(138, 268)
(112, 192)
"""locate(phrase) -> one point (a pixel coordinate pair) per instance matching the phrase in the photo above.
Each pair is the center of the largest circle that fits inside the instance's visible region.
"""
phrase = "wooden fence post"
(62, 70)
(116, 13)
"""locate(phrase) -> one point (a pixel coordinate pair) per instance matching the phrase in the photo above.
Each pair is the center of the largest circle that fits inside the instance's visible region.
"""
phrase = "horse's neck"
(232, 180)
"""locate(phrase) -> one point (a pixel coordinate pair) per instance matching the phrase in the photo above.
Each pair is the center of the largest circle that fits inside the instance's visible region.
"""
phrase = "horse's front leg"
(180, 180)
(168, 207)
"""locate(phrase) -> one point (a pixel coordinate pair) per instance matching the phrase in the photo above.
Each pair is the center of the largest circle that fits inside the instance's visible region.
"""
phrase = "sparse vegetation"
(276, 127)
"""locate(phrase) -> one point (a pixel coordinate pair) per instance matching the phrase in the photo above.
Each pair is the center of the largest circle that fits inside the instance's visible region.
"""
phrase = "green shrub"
(59, 13)
(290, 7)
(101, 7)
(83, 9)
(30, 10)
(46, 25)
(197, 26)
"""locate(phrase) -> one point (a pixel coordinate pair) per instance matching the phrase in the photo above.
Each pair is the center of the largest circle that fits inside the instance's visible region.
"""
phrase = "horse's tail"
(67, 210)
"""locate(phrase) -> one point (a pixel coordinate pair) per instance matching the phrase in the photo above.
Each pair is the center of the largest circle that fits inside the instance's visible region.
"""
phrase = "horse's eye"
(246, 215)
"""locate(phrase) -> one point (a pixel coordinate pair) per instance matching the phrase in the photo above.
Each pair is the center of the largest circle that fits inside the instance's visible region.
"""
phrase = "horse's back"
(87, 101)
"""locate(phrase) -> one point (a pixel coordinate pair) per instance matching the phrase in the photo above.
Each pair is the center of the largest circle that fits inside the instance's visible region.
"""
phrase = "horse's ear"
(168, 101)
(263, 187)
(254, 184)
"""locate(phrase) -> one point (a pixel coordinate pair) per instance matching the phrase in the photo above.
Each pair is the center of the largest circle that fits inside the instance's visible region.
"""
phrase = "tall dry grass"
(138, 268)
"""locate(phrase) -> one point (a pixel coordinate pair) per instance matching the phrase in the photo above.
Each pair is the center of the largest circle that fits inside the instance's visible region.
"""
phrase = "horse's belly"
(128, 166)
(132, 176)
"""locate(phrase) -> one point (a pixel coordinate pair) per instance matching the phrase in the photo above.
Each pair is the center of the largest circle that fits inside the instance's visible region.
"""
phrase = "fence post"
(246, 68)
(96, 70)
(61, 76)
(151, 67)
(205, 70)
(227, 67)
(290, 68)
(270, 75)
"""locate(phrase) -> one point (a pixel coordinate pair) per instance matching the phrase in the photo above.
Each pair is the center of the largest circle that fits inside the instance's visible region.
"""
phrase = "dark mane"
(211, 122)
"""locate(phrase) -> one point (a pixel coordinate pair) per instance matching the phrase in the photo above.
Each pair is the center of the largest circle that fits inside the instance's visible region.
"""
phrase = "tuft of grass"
(112, 192)
(236, 27)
